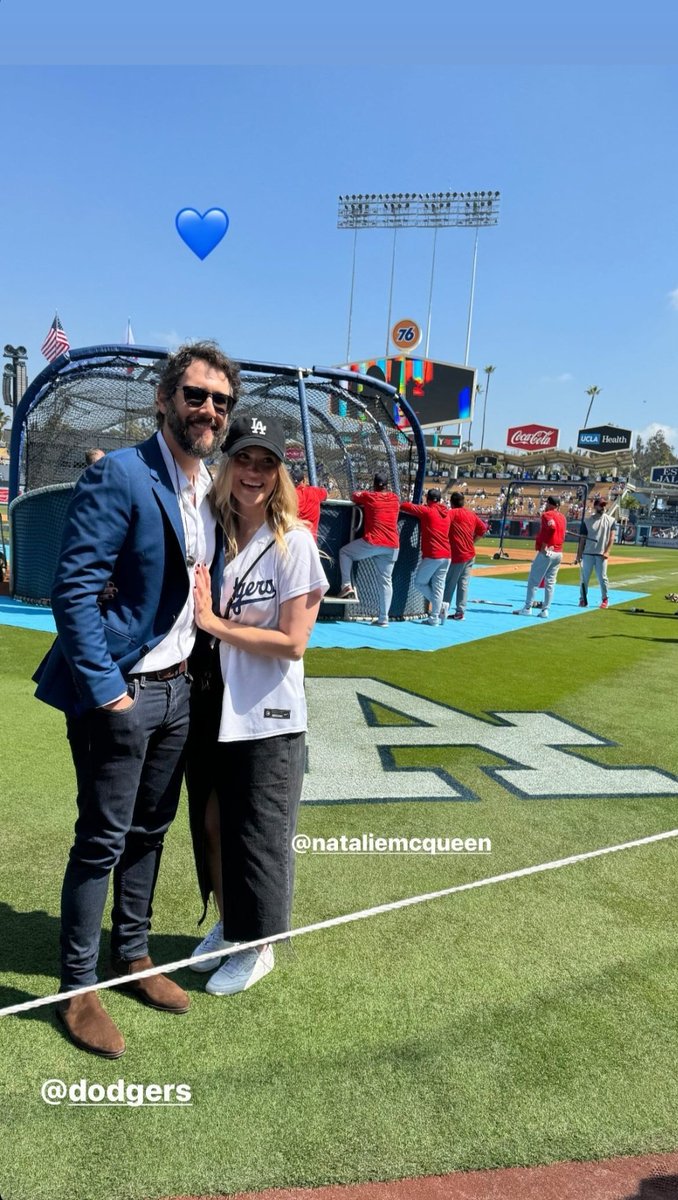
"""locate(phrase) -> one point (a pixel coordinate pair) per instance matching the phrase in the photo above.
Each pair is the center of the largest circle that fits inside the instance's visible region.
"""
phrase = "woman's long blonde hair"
(280, 513)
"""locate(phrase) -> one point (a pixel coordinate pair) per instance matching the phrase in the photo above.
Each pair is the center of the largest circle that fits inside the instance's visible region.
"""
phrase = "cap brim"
(245, 442)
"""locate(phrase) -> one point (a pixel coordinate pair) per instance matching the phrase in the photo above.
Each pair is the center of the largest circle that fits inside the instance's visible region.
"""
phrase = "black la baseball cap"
(255, 430)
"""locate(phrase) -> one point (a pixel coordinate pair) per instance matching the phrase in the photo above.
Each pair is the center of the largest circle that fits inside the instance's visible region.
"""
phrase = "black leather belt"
(166, 673)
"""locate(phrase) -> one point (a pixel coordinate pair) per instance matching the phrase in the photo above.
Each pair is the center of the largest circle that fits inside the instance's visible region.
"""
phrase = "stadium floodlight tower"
(416, 210)
(14, 378)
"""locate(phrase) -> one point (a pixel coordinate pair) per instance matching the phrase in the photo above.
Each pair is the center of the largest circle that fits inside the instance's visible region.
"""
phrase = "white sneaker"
(544, 613)
(522, 612)
(378, 621)
(214, 940)
(240, 971)
(431, 621)
(444, 610)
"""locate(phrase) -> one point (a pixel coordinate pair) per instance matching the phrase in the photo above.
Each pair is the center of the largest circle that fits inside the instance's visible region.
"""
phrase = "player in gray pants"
(596, 539)
(549, 547)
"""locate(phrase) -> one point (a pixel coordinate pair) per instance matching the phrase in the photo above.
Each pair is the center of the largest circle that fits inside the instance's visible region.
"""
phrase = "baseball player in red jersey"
(434, 520)
(309, 499)
(464, 530)
(547, 560)
(380, 542)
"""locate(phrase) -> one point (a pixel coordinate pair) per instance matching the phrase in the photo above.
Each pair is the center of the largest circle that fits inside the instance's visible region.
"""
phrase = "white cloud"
(564, 378)
(673, 298)
(670, 433)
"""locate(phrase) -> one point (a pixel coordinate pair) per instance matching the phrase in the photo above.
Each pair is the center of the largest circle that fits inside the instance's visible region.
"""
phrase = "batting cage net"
(103, 398)
(520, 498)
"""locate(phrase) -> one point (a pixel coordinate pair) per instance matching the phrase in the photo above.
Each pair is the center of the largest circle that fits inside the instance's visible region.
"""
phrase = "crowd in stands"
(487, 497)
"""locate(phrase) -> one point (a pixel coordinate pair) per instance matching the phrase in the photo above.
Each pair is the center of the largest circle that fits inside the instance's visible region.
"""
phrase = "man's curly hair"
(175, 364)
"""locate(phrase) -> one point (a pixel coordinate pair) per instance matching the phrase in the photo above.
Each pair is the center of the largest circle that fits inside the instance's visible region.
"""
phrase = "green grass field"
(526, 1022)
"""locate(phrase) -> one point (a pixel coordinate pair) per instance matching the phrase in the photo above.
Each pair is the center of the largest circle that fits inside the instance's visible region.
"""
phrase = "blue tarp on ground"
(26, 616)
(489, 612)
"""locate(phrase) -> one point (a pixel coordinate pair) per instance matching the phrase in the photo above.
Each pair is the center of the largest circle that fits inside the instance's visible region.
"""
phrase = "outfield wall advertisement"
(664, 535)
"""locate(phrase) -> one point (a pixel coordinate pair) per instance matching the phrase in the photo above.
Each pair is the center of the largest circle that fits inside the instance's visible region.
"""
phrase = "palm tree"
(592, 392)
(488, 371)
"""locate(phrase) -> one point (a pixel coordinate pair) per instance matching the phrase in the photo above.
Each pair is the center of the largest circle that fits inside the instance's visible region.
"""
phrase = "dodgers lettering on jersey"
(250, 591)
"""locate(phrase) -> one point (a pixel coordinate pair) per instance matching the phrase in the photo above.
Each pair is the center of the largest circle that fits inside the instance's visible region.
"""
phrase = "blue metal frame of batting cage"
(75, 361)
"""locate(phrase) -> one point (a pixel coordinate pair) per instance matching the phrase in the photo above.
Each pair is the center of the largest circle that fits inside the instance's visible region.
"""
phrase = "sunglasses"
(195, 397)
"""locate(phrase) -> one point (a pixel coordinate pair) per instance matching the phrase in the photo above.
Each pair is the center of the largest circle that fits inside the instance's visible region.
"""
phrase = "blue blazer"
(123, 527)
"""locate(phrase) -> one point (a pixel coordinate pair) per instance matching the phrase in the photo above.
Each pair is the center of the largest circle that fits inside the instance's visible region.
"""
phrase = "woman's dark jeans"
(259, 788)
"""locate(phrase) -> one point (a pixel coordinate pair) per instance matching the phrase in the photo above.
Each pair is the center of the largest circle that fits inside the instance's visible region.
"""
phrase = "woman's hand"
(202, 594)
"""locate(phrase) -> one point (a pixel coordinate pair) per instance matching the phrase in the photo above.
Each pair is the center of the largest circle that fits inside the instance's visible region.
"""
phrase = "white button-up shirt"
(199, 527)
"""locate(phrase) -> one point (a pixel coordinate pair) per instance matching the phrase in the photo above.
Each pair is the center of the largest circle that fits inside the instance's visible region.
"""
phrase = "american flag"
(56, 341)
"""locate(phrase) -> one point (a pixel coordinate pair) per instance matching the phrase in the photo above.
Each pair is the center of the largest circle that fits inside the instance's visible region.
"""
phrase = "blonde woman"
(250, 783)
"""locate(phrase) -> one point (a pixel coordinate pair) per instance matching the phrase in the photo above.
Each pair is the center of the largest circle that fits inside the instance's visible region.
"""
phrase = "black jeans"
(259, 788)
(129, 768)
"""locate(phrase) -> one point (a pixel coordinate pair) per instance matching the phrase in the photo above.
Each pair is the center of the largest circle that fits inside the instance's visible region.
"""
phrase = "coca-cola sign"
(532, 437)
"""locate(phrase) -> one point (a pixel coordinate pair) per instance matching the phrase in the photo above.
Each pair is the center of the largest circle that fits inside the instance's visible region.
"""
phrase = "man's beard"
(180, 427)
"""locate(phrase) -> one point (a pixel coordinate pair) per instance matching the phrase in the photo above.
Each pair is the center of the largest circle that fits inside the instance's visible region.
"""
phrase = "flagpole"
(127, 342)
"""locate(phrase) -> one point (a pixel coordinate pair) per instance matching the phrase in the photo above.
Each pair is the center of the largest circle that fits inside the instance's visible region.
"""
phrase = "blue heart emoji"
(201, 232)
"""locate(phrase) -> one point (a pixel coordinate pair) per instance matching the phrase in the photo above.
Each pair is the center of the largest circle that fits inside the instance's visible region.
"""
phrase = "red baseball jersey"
(464, 528)
(380, 511)
(552, 531)
(309, 499)
(434, 521)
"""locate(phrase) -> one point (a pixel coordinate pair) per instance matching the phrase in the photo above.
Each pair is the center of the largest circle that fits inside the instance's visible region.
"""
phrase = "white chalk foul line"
(346, 919)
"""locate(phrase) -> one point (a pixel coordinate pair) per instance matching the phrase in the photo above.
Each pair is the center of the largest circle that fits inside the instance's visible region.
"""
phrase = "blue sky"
(394, 32)
(576, 286)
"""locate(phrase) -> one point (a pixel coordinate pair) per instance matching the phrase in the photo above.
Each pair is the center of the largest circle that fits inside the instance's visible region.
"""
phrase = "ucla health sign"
(604, 438)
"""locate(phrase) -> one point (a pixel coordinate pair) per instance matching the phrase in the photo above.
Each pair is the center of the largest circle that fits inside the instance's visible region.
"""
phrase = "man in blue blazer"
(138, 523)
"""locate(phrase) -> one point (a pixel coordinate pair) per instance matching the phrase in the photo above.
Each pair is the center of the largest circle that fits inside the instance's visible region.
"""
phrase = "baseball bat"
(497, 603)
(504, 604)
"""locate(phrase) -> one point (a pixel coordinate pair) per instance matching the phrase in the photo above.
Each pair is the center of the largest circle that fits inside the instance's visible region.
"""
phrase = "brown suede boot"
(89, 1026)
(157, 990)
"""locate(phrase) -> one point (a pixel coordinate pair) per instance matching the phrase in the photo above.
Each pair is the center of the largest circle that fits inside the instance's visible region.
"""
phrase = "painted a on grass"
(537, 745)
